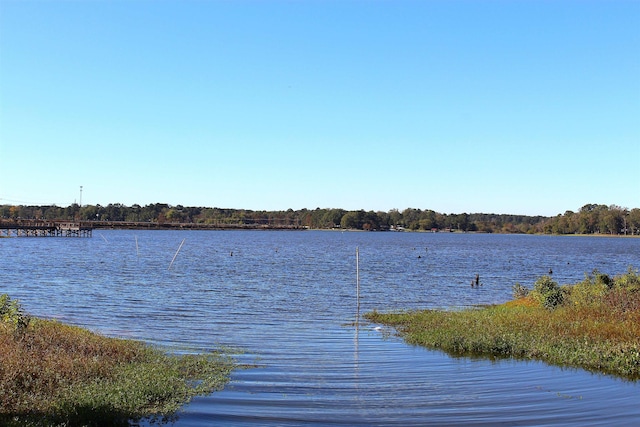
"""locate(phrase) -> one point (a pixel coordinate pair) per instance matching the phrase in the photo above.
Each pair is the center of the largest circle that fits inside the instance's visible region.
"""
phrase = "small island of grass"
(56, 374)
(593, 325)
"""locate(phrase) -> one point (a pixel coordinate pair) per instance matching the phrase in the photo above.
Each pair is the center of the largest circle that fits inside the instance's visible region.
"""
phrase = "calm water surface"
(287, 299)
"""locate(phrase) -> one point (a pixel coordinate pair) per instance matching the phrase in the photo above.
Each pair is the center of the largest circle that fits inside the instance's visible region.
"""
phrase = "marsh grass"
(593, 325)
(56, 374)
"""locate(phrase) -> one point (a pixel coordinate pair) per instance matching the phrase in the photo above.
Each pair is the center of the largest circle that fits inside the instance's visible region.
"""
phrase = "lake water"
(288, 300)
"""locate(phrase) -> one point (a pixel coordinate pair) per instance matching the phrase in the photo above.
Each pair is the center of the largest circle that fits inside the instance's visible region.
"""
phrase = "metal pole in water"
(174, 257)
(137, 251)
(356, 340)
(357, 285)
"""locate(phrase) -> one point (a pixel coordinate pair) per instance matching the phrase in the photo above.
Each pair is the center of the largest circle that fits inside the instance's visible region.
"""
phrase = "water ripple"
(288, 301)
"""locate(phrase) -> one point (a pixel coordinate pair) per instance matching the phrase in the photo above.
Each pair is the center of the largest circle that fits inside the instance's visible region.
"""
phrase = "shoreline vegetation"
(60, 375)
(590, 219)
(592, 325)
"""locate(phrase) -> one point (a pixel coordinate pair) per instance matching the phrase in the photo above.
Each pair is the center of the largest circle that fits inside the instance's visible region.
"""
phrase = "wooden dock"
(36, 228)
(132, 225)
(61, 228)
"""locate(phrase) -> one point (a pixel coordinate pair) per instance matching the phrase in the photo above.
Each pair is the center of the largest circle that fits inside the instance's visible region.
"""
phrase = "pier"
(36, 228)
(155, 225)
(65, 228)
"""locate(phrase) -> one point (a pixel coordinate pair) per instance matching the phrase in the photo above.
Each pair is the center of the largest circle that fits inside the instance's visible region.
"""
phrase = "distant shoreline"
(6, 225)
(591, 218)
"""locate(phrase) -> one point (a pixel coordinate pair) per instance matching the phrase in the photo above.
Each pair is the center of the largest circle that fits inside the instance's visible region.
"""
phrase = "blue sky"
(523, 107)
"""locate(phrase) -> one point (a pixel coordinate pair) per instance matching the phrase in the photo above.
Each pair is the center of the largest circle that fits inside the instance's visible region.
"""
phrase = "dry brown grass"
(56, 374)
(39, 366)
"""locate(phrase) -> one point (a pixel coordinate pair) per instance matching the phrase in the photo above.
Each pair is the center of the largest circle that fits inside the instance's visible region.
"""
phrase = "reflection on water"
(288, 299)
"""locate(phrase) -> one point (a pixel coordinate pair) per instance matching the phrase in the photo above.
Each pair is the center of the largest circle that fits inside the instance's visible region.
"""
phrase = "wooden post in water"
(357, 286)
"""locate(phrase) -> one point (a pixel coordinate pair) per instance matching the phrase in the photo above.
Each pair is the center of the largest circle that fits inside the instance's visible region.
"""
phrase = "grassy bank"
(55, 374)
(594, 325)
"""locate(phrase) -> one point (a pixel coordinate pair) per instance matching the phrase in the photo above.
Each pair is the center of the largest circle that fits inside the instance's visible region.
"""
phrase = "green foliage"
(12, 315)
(586, 294)
(630, 280)
(621, 293)
(547, 292)
(589, 220)
(598, 278)
(156, 387)
(57, 374)
(596, 327)
(596, 219)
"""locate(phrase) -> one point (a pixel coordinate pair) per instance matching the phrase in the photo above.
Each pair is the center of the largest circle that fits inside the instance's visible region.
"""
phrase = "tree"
(395, 217)
(383, 220)
(88, 212)
(14, 211)
(353, 219)
(114, 212)
(5, 211)
(428, 220)
(615, 219)
(332, 218)
(370, 221)
(411, 218)
(173, 215)
(591, 218)
(461, 222)
(633, 221)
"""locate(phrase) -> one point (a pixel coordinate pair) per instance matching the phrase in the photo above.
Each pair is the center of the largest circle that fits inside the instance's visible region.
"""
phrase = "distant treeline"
(590, 219)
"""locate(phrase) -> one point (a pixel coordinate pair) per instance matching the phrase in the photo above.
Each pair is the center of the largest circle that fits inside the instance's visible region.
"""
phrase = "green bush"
(599, 288)
(630, 280)
(547, 292)
(12, 315)
(602, 279)
(587, 293)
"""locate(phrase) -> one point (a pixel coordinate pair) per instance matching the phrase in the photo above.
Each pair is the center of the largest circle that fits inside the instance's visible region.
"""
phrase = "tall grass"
(56, 374)
(593, 324)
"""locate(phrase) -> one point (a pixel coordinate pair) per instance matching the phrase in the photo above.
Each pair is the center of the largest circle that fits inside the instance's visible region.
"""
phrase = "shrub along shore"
(593, 325)
(61, 375)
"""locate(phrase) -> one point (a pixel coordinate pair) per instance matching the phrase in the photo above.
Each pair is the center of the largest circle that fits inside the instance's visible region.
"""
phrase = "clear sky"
(523, 107)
